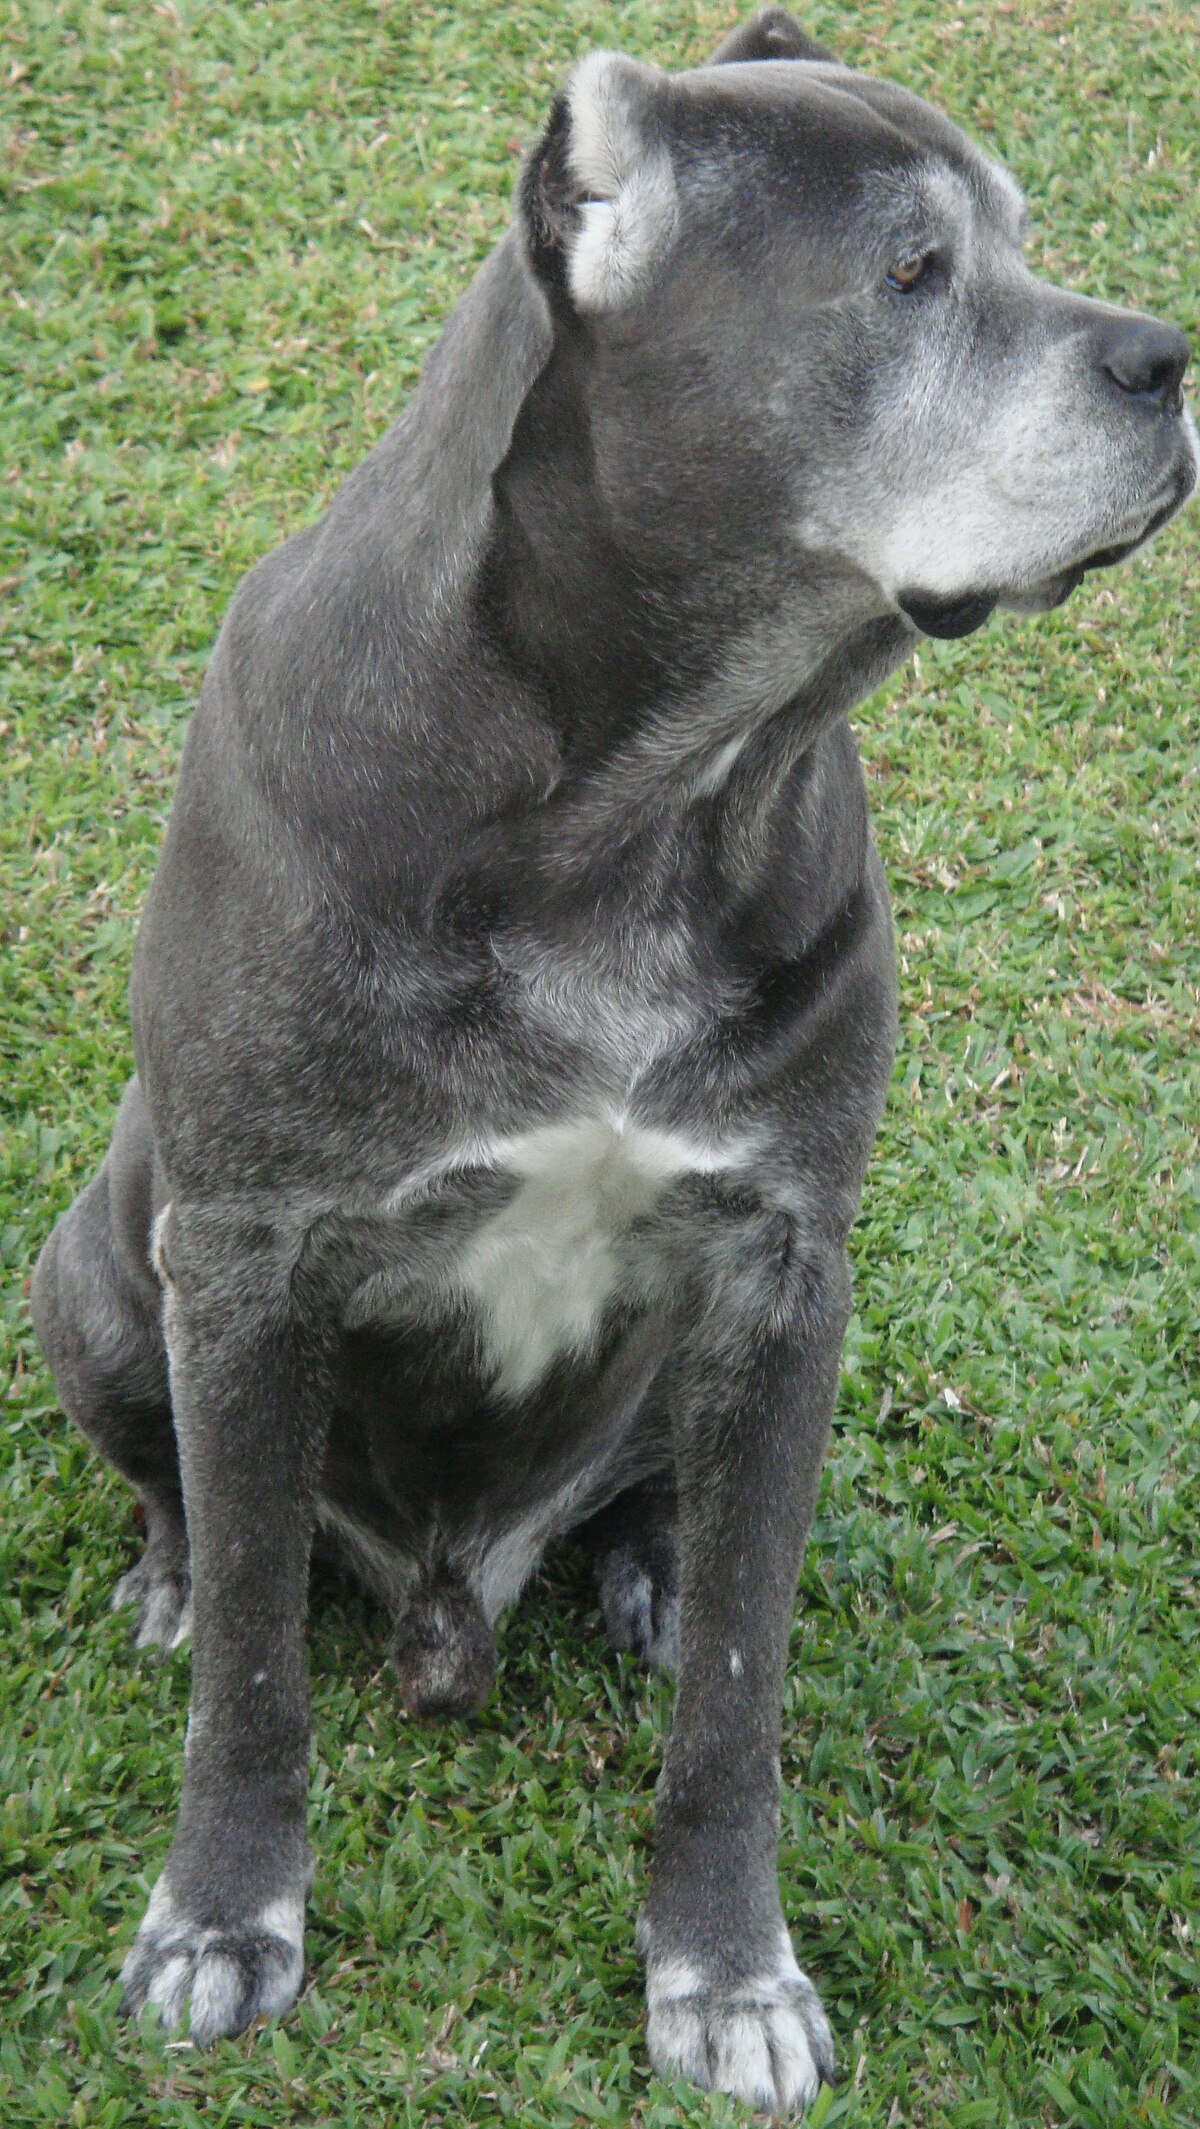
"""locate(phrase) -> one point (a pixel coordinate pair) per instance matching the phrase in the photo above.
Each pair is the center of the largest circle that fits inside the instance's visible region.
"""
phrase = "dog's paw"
(640, 1605)
(221, 1979)
(160, 1587)
(766, 2042)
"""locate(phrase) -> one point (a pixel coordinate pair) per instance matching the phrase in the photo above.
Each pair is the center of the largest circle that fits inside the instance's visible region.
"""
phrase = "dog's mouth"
(960, 616)
(1058, 588)
(1104, 557)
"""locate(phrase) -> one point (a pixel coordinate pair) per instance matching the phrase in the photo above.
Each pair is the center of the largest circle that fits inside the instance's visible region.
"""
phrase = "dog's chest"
(542, 1271)
(539, 1273)
(544, 1238)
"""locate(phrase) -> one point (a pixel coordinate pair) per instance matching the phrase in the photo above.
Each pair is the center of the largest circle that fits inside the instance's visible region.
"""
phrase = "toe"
(739, 2057)
(218, 2000)
(166, 1986)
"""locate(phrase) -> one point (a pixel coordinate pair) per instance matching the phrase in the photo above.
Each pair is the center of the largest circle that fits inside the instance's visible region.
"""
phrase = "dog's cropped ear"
(597, 197)
(771, 34)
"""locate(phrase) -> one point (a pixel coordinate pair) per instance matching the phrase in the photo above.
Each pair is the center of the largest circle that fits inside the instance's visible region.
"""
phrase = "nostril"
(1147, 360)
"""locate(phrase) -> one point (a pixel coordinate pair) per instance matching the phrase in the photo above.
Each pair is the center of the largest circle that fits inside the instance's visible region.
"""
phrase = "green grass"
(230, 232)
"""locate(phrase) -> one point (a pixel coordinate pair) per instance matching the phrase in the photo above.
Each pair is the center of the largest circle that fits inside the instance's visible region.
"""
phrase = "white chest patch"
(542, 1271)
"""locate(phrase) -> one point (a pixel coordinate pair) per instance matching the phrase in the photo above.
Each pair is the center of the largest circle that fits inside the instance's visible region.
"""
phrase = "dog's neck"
(650, 658)
(670, 678)
(599, 640)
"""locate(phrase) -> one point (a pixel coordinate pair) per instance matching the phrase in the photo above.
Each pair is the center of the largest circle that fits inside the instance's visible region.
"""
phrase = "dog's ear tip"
(772, 33)
(777, 23)
(607, 64)
(597, 194)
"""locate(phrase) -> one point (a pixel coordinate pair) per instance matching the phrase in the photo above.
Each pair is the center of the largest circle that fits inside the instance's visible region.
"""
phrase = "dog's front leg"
(753, 1393)
(251, 1385)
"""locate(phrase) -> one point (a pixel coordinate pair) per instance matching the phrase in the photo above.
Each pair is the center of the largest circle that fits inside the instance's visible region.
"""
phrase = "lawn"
(230, 232)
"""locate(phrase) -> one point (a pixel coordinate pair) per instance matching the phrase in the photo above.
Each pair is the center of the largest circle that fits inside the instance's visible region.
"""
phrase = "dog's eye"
(909, 273)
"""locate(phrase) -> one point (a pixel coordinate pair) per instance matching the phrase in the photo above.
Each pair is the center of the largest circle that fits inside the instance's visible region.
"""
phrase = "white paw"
(223, 1978)
(163, 1597)
(766, 2042)
(641, 1615)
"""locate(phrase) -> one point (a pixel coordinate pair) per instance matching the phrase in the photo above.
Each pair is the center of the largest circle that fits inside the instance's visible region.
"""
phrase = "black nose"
(1147, 360)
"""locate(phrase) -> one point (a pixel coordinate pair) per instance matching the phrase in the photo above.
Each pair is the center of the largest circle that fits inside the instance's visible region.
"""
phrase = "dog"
(514, 1005)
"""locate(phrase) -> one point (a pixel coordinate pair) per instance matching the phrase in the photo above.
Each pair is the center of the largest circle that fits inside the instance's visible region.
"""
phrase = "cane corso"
(513, 1005)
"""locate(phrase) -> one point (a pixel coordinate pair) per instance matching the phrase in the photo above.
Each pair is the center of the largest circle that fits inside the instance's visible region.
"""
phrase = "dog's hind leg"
(633, 1550)
(96, 1307)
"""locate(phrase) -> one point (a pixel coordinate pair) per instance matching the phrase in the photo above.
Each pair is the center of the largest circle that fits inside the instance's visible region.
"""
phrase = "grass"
(230, 232)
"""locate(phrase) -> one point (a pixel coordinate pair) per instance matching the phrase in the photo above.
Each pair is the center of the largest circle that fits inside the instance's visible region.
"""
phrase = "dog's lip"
(1162, 507)
(1105, 557)
(946, 618)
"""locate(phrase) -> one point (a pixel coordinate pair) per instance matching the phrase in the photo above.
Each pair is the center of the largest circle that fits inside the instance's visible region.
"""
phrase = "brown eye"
(909, 273)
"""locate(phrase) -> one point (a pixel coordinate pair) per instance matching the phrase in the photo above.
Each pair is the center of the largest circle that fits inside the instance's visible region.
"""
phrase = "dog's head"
(809, 337)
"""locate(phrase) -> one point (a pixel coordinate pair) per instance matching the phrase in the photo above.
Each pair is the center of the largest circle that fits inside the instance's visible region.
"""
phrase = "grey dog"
(514, 1001)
